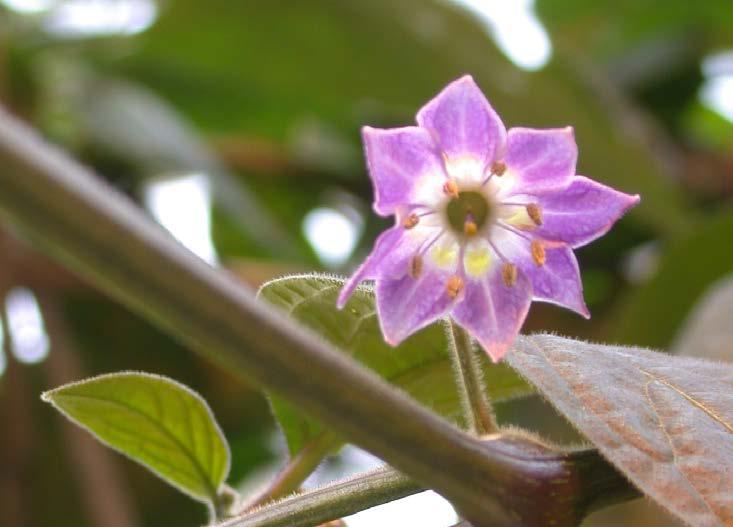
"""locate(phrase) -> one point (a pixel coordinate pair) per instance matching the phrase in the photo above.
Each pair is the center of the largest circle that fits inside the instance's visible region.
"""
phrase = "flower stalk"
(302, 465)
(477, 409)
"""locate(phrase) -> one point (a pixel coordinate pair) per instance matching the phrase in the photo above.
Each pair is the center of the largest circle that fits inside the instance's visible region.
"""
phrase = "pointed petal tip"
(465, 81)
(349, 287)
(629, 202)
(496, 351)
(367, 136)
(381, 211)
(391, 336)
(466, 78)
(344, 296)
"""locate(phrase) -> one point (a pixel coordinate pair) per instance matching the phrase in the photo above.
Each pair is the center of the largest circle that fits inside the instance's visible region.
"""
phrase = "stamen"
(410, 221)
(454, 286)
(415, 266)
(450, 188)
(535, 213)
(502, 224)
(498, 168)
(509, 274)
(538, 253)
(469, 227)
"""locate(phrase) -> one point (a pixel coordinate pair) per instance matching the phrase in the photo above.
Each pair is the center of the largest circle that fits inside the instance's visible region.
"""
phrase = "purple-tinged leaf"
(665, 422)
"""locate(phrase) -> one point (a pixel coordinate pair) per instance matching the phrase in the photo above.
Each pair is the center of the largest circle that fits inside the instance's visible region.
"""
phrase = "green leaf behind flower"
(420, 365)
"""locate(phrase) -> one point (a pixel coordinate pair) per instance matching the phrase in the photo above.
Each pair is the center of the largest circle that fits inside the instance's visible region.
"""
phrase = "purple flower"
(486, 220)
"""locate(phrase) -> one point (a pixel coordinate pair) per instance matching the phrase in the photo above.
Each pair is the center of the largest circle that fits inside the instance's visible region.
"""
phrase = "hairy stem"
(289, 479)
(332, 501)
(476, 407)
(599, 487)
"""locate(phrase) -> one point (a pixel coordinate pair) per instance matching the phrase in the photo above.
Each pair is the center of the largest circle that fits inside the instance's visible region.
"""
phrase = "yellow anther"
(410, 221)
(509, 274)
(538, 253)
(498, 168)
(450, 188)
(470, 228)
(454, 286)
(535, 213)
(415, 266)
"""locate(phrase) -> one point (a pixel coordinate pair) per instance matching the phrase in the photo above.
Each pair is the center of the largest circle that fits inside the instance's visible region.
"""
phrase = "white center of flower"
(469, 215)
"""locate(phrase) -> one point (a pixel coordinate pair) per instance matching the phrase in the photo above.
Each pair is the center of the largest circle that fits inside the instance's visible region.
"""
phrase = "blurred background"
(235, 125)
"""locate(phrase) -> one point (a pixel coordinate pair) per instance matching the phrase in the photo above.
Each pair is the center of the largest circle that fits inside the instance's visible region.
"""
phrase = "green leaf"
(155, 421)
(665, 422)
(420, 365)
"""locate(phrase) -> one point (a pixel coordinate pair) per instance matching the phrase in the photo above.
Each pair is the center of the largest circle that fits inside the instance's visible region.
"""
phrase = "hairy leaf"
(666, 422)
(155, 421)
(420, 365)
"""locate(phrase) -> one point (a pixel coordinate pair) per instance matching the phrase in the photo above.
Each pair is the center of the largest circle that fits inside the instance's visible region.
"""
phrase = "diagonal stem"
(476, 407)
(104, 237)
(332, 501)
(289, 479)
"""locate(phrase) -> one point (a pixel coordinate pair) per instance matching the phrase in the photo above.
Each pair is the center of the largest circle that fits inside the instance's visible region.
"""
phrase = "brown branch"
(584, 483)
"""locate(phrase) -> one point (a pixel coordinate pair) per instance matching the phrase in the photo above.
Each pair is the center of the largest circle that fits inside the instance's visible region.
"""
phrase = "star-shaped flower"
(486, 220)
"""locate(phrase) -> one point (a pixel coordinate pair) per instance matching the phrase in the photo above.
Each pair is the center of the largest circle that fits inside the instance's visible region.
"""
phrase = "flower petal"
(493, 312)
(582, 212)
(463, 122)
(389, 258)
(408, 304)
(402, 162)
(539, 160)
(556, 281)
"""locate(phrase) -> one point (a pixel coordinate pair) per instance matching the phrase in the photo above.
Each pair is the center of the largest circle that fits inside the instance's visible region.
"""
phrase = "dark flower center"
(468, 208)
